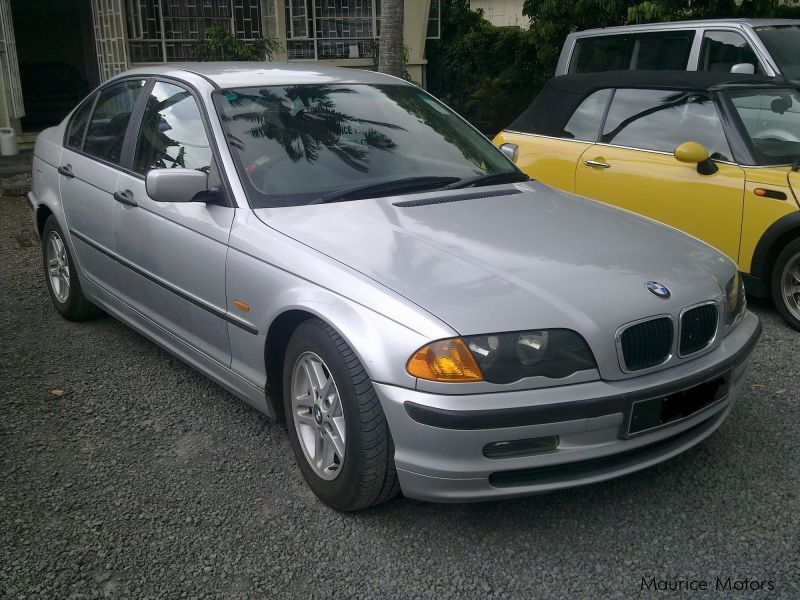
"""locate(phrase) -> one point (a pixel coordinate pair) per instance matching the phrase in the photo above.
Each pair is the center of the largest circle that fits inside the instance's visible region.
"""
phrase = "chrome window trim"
(621, 355)
(713, 338)
(552, 137)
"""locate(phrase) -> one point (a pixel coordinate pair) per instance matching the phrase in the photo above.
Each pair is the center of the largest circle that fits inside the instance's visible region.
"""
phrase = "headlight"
(735, 300)
(503, 357)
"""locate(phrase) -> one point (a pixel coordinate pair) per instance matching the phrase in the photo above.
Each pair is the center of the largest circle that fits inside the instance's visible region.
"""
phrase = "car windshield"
(304, 144)
(771, 119)
(783, 43)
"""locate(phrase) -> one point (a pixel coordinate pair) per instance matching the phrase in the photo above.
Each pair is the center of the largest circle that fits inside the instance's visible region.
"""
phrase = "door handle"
(596, 163)
(125, 197)
(66, 171)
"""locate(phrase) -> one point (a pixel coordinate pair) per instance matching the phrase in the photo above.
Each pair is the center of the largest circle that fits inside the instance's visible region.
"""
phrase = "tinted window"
(584, 124)
(172, 132)
(294, 144)
(106, 132)
(77, 125)
(723, 49)
(662, 120)
(783, 42)
(655, 51)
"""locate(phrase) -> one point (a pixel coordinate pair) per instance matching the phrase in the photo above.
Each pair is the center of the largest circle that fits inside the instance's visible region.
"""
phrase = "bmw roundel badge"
(657, 289)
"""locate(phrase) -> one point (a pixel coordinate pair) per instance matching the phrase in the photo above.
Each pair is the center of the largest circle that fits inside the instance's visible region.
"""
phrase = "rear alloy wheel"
(61, 277)
(335, 421)
(786, 284)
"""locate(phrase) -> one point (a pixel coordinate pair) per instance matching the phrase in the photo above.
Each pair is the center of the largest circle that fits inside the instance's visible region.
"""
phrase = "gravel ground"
(125, 473)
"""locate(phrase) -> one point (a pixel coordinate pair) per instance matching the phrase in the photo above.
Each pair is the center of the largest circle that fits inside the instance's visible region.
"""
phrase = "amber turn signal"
(446, 360)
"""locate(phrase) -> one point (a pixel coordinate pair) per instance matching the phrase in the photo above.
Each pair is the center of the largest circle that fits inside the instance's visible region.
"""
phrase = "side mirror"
(696, 154)
(746, 68)
(177, 185)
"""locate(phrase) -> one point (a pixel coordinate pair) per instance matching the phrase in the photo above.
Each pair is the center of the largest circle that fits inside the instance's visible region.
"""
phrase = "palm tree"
(390, 47)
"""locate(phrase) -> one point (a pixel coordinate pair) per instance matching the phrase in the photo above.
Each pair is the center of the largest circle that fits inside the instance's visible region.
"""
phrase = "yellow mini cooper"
(713, 154)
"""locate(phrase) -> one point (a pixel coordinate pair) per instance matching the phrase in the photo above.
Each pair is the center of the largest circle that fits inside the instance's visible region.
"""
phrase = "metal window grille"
(109, 36)
(9, 68)
(435, 20)
(331, 29)
(166, 30)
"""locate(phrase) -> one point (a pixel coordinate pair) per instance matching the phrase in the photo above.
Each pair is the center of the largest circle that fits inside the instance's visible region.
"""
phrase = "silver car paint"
(746, 27)
(390, 280)
(503, 263)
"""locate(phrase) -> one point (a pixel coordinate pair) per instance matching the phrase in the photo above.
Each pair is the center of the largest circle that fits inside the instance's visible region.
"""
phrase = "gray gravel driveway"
(123, 473)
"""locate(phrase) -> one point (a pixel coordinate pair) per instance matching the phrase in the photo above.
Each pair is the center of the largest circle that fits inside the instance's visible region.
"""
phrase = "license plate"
(654, 413)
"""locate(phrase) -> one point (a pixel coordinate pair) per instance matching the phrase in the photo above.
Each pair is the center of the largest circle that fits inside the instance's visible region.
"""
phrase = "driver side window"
(172, 132)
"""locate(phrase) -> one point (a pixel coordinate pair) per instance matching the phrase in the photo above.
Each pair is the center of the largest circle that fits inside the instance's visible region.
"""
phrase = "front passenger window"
(172, 132)
(722, 50)
(106, 132)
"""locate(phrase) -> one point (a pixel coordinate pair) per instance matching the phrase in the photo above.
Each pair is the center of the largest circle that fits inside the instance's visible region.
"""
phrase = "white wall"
(502, 13)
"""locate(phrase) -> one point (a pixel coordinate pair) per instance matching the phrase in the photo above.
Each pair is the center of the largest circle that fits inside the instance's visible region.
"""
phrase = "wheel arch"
(43, 212)
(772, 242)
(380, 344)
(278, 335)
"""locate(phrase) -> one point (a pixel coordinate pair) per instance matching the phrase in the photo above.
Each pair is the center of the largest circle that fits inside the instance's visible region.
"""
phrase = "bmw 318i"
(341, 250)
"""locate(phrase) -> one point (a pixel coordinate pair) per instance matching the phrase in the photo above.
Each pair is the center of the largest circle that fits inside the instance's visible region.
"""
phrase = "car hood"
(512, 257)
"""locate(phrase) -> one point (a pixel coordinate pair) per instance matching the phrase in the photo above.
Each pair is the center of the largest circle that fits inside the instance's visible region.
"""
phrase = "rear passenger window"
(662, 120)
(106, 132)
(652, 51)
(172, 132)
(77, 125)
(584, 124)
(722, 50)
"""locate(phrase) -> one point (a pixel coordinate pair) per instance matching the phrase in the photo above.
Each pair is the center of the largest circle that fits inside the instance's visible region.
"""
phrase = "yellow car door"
(634, 165)
(552, 158)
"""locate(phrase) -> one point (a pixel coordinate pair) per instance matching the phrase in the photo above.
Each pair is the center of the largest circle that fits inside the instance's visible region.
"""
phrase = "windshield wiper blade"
(491, 178)
(395, 186)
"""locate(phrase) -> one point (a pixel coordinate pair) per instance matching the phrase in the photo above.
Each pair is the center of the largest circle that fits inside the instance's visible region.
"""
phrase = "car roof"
(691, 24)
(243, 74)
(558, 99)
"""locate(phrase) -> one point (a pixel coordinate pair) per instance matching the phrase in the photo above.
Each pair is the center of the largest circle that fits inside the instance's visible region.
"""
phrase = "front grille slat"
(698, 327)
(648, 344)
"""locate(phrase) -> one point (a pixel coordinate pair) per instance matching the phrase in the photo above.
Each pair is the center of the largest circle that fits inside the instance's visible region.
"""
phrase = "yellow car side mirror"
(696, 154)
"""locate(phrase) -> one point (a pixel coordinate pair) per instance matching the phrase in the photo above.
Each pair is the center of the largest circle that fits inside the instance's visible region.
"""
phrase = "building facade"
(503, 13)
(52, 52)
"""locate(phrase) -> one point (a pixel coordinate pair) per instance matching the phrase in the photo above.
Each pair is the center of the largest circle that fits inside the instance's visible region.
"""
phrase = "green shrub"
(488, 74)
(220, 44)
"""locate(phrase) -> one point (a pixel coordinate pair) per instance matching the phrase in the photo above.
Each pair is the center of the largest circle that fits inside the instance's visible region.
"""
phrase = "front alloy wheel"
(787, 272)
(318, 415)
(335, 422)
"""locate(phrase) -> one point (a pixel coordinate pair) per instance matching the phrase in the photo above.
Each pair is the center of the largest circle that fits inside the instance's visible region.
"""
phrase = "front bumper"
(440, 439)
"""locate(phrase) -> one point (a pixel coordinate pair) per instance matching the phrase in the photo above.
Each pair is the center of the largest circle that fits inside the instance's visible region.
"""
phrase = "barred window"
(165, 30)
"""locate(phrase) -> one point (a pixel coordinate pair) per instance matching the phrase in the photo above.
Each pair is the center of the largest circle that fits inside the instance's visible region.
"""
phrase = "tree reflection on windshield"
(305, 119)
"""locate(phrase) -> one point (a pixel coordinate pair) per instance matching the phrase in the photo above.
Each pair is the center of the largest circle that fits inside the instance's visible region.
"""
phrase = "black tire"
(75, 307)
(789, 255)
(367, 476)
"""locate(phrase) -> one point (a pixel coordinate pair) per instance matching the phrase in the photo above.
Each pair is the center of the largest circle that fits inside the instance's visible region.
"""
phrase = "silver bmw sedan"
(341, 250)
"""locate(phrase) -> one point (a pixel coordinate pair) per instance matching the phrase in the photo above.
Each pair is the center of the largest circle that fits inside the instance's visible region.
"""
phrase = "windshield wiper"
(490, 179)
(405, 185)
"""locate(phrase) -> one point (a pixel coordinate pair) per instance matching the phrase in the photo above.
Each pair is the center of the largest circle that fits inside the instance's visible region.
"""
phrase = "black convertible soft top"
(552, 108)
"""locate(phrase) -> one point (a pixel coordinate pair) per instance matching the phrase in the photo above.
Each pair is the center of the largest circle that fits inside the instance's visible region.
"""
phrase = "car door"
(633, 165)
(88, 175)
(174, 251)
(551, 159)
